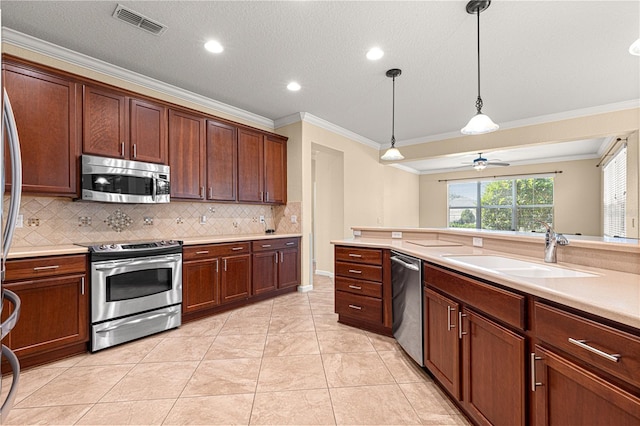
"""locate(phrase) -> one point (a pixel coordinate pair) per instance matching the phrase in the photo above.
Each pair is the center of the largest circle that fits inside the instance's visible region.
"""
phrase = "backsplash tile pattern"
(62, 221)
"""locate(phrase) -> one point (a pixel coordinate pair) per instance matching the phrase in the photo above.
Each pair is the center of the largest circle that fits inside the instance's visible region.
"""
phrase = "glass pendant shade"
(392, 154)
(479, 124)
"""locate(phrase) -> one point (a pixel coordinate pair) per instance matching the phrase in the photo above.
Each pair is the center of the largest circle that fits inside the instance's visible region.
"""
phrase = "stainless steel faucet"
(551, 241)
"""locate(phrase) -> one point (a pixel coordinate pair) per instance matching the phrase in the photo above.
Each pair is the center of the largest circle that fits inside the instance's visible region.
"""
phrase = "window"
(615, 194)
(507, 204)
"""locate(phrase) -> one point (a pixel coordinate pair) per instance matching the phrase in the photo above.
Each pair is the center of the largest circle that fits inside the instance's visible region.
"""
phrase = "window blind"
(615, 194)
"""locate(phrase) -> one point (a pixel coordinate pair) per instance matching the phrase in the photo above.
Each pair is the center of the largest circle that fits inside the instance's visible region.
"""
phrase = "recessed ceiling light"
(213, 46)
(374, 54)
(293, 86)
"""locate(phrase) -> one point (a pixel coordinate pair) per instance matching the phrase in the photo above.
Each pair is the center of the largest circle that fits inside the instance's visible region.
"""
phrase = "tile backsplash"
(52, 221)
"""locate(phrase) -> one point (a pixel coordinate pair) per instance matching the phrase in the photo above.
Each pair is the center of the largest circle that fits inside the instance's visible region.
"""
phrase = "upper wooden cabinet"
(187, 155)
(121, 127)
(222, 161)
(48, 119)
(262, 168)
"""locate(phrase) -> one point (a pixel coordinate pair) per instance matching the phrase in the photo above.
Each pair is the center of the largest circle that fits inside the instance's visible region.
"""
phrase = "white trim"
(305, 288)
(405, 168)
(289, 119)
(324, 273)
(46, 48)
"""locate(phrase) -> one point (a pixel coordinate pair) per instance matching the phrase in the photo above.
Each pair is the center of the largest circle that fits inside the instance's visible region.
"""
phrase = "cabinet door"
(441, 340)
(222, 161)
(48, 126)
(148, 140)
(250, 166)
(104, 115)
(275, 170)
(54, 313)
(288, 268)
(187, 155)
(235, 278)
(200, 285)
(493, 371)
(265, 271)
(570, 394)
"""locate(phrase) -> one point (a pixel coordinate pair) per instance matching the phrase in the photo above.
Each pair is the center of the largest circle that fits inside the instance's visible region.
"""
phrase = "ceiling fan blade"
(497, 163)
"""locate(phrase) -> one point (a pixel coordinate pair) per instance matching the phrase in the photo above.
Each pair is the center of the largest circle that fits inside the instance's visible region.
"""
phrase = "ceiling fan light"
(392, 154)
(479, 124)
(634, 49)
(480, 165)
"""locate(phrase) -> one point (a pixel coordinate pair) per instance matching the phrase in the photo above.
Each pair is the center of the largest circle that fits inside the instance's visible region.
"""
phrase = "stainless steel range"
(136, 290)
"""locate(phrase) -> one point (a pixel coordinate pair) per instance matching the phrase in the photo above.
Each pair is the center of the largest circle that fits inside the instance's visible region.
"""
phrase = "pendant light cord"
(479, 100)
(393, 114)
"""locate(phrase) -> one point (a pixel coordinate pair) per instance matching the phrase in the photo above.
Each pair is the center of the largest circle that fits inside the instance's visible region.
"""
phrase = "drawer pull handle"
(356, 307)
(203, 252)
(355, 287)
(290, 243)
(236, 248)
(355, 255)
(46, 268)
(266, 245)
(583, 344)
(450, 325)
(460, 332)
(355, 271)
(534, 384)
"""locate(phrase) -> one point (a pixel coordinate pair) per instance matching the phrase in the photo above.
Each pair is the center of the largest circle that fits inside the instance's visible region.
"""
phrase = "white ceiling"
(538, 58)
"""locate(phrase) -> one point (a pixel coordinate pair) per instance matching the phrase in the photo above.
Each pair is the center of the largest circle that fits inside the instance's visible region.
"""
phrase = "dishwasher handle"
(405, 264)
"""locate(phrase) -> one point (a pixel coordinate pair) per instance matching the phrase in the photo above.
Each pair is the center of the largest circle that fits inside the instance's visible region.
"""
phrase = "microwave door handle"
(154, 188)
(16, 175)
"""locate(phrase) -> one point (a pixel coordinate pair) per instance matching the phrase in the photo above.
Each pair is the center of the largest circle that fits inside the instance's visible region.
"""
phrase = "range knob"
(103, 247)
(113, 246)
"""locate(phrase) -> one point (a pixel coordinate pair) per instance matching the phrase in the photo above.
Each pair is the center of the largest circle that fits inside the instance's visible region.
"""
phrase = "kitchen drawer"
(361, 307)
(359, 271)
(45, 267)
(215, 250)
(496, 302)
(359, 255)
(365, 288)
(275, 244)
(556, 327)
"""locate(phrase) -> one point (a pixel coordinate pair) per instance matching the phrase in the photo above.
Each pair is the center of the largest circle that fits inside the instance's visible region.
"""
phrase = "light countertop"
(24, 252)
(609, 294)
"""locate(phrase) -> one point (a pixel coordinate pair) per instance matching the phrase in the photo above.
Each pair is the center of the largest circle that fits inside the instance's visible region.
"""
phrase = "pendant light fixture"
(392, 153)
(479, 123)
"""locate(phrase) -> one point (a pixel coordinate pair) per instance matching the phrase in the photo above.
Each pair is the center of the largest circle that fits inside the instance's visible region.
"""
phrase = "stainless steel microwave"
(113, 180)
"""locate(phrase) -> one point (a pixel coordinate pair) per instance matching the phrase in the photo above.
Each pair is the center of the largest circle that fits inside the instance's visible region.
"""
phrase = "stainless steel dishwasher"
(406, 283)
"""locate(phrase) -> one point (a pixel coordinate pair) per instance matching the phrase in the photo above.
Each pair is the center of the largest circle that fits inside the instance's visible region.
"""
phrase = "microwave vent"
(136, 19)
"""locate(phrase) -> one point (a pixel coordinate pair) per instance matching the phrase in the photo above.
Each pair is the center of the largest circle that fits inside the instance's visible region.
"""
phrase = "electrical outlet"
(396, 234)
(261, 219)
(20, 221)
(357, 233)
(477, 242)
(294, 218)
(203, 220)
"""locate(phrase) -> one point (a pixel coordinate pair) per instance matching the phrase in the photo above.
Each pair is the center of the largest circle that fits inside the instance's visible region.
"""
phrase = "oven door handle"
(138, 321)
(134, 262)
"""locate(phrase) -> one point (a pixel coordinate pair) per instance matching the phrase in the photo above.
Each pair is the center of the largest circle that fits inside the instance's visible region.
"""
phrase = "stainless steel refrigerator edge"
(406, 283)
(9, 131)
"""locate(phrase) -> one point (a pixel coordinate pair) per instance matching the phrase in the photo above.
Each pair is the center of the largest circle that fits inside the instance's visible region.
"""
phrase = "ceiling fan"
(482, 163)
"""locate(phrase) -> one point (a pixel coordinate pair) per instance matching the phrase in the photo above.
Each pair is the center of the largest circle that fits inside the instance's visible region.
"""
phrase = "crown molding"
(289, 119)
(405, 168)
(46, 48)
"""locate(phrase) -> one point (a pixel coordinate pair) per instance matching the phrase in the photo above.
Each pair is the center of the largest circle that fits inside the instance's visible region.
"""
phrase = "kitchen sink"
(517, 267)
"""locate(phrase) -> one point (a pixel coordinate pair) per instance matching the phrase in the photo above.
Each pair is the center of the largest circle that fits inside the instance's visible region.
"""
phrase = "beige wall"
(401, 198)
(576, 194)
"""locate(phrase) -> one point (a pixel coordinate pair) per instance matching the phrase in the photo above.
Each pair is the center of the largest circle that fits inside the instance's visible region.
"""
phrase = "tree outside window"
(507, 204)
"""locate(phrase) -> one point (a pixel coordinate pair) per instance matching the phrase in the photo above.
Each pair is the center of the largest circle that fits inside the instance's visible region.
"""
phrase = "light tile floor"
(281, 361)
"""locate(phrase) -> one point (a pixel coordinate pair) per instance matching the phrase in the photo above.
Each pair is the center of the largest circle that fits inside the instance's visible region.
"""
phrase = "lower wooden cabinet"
(568, 394)
(276, 264)
(54, 313)
(215, 274)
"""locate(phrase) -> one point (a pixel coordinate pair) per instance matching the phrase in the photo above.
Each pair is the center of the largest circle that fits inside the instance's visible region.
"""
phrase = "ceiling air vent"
(134, 18)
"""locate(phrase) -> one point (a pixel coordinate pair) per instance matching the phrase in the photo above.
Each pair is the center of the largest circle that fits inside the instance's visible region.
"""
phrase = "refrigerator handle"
(10, 322)
(16, 176)
(15, 367)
